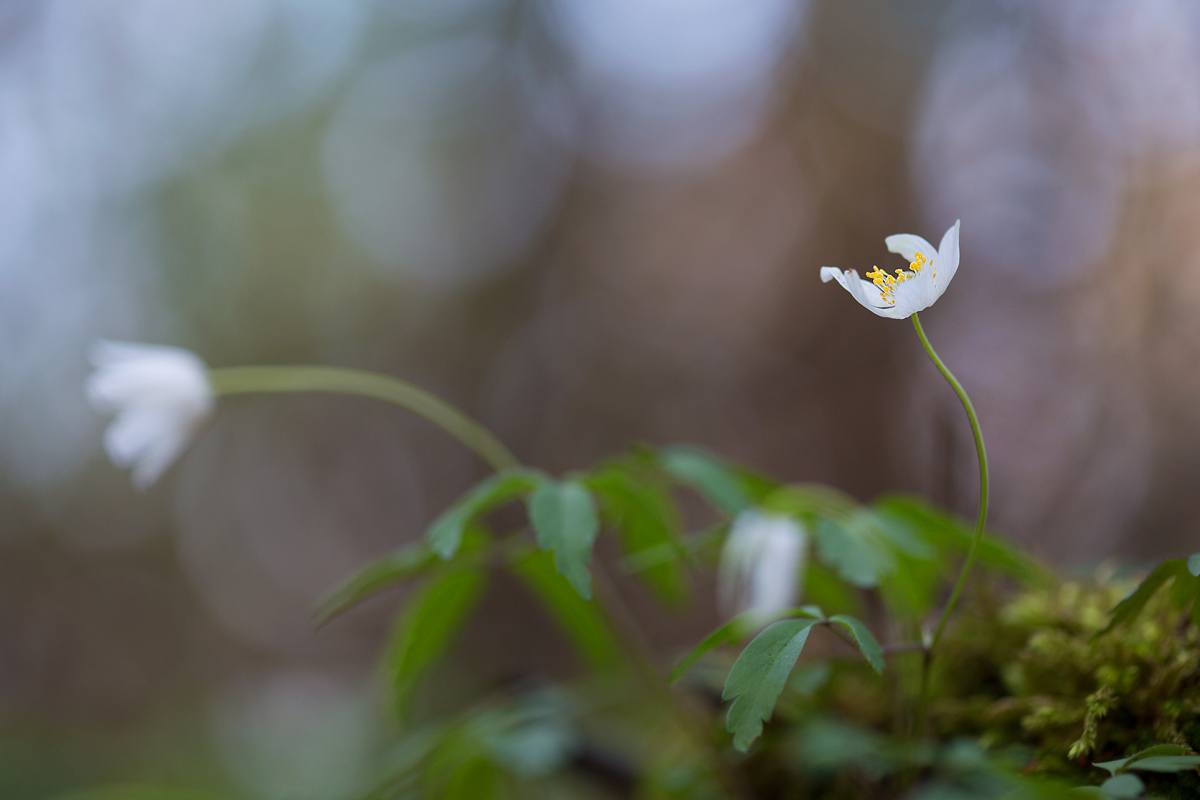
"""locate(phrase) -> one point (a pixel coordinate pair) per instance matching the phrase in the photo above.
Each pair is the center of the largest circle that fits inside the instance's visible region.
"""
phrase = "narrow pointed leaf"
(1166, 763)
(396, 567)
(867, 644)
(759, 675)
(950, 535)
(726, 634)
(446, 532)
(584, 623)
(639, 509)
(707, 475)
(427, 627)
(1132, 605)
(564, 518)
(1157, 751)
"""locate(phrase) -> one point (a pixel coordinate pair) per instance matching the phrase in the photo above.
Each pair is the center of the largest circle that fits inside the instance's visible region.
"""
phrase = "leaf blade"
(759, 675)
(868, 645)
(446, 532)
(396, 567)
(1132, 605)
(708, 475)
(564, 518)
(725, 634)
(427, 627)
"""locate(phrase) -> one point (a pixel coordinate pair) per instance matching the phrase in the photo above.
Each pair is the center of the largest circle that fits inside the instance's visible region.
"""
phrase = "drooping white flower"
(760, 570)
(907, 292)
(160, 395)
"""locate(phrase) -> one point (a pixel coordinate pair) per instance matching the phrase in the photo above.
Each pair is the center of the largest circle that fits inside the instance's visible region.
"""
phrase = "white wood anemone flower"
(908, 291)
(761, 566)
(161, 395)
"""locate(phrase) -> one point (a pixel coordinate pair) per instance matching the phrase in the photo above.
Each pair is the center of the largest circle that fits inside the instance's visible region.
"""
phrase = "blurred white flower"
(761, 566)
(907, 292)
(160, 395)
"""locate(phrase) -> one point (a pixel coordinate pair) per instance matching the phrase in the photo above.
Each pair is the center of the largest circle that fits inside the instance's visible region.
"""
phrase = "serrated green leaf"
(1132, 605)
(1120, 764)
(396, 567)
(564, 519)
(427, 627)
(867, 644)
(446, 532)
(708, 475)
(645, 520)
(759, 675)
(1123, 787)
(726, 634)
(584, 623)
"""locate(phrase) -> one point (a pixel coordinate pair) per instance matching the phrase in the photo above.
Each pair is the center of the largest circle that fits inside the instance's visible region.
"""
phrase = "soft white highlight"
(760, 573)
(160, 395)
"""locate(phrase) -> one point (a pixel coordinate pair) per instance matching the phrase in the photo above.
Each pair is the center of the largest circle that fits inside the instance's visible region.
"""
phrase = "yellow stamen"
(887, 284)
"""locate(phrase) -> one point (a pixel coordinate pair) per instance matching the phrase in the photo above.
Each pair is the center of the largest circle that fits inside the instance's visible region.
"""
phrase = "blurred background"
(589, 224)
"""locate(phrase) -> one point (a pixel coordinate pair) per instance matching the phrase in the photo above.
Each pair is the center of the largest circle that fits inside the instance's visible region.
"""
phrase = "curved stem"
(244, 380)
(973, 552)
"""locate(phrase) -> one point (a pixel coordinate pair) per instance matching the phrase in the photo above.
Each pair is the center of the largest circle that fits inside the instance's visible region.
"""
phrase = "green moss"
(1031, 671)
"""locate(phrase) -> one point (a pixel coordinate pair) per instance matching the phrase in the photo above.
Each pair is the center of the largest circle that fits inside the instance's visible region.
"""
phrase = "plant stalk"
(245, 380)
(973, 552)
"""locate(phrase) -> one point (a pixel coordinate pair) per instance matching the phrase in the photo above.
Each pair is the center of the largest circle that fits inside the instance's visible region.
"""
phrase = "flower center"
(887, 283)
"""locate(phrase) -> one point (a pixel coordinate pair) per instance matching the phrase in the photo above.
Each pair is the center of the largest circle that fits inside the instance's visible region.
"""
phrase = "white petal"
(947, 259)
(160, 394)
(758, 573)
(865, 292)
(908, 245)
(915, 294)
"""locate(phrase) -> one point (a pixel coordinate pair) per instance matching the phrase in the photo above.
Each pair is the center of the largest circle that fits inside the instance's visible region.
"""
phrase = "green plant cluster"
(1042, 670)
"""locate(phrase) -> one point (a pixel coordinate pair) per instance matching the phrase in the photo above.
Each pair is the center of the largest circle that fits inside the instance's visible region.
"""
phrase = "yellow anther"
(918, 262)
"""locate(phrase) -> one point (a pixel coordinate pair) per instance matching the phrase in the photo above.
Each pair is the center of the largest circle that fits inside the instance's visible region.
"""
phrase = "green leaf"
(951, 535)
(866, 642)
(1193, 565)
(1158, 751)
(446, 532)
(816, 499)
(1132, 605)
(640, 511)
(812, 610)
(708, 475)
(427, 627)
(822, 586)
(759, 675)
(564, 518)
(583, 622)
(1122, 787)
(853, 546)
(408, 562)
(1166, 763)
(726, 634)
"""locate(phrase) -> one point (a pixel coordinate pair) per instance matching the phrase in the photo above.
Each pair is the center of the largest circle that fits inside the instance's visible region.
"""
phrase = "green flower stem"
(245, 380)
(973, 552)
